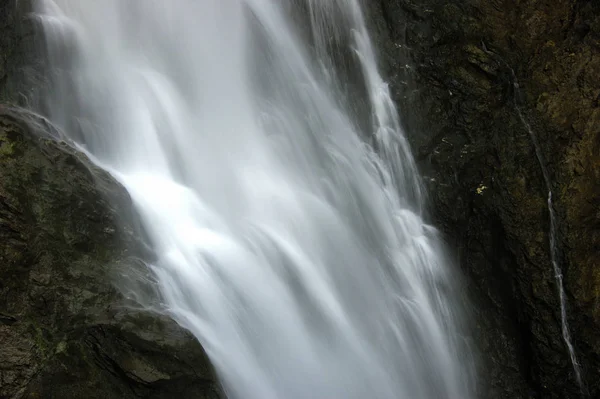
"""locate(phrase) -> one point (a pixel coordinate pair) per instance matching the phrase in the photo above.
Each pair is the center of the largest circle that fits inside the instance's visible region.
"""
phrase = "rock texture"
(462, 71)
(20, 68)
(64, 329)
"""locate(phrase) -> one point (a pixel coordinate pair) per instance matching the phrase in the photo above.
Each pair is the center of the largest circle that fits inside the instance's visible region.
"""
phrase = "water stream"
(263, 152)
(554, 249)
(554, 257)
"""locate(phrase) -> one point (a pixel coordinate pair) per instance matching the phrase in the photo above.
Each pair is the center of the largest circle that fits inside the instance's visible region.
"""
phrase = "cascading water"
(265, 157)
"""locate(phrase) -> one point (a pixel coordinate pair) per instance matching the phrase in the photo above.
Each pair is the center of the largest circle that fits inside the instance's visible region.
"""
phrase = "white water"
(265, 157)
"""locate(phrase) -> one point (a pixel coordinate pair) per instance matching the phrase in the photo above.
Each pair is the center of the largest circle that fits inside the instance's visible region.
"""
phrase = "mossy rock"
(64, 328)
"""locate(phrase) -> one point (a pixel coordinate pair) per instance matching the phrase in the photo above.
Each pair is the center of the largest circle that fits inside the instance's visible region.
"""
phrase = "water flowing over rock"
(460, 72)
(263, 152)
(64, 329)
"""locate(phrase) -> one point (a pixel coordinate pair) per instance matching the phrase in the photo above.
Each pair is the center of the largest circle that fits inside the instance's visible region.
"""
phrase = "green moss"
(40, 338)
(61, 347)
(6, 147)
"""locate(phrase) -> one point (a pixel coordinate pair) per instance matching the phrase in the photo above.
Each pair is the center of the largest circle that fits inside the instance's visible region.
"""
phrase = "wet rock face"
(460, 70)
(65, 330)
(20, 67)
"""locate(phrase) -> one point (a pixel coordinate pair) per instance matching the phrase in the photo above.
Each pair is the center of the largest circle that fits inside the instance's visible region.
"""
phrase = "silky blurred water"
(265, 157)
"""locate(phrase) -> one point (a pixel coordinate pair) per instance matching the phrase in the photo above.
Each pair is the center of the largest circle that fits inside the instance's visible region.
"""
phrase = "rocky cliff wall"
(462, 71)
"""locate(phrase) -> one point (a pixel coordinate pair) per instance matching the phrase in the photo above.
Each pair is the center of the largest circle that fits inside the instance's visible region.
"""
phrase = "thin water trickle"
(552, 230)
(265, 157)
(554, 250)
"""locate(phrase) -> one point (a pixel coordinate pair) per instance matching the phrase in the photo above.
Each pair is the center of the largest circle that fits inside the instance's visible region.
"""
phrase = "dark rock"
(65, 330)
(21, 69)
(460, 71)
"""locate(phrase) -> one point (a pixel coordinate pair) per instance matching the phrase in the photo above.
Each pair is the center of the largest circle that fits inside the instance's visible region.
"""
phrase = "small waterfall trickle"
(553, 245)
(264, 154)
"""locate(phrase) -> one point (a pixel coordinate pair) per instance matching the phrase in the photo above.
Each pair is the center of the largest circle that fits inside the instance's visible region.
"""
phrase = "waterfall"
(265, 157)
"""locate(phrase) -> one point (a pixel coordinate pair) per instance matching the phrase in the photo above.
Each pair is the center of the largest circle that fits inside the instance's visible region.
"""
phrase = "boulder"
(65, 236)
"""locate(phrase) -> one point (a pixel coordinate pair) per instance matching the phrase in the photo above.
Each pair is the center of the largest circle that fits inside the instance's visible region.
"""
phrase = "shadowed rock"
(459, 70)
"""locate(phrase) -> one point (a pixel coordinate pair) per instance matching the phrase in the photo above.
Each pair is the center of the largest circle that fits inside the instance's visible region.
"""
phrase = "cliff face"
(462, 71)
(19, 65)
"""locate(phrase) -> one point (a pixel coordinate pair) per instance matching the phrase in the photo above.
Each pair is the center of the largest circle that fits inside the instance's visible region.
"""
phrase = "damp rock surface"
(459, 70)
